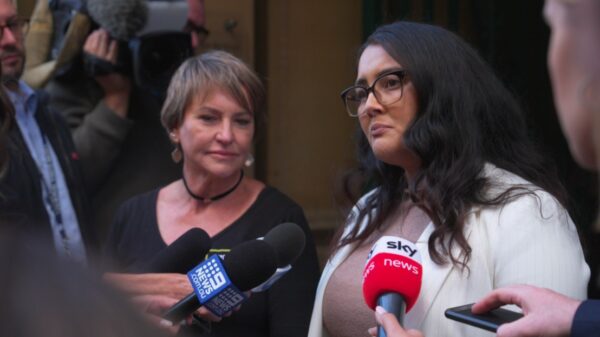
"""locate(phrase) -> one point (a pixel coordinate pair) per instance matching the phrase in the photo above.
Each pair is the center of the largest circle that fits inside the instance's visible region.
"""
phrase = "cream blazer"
(530, 240)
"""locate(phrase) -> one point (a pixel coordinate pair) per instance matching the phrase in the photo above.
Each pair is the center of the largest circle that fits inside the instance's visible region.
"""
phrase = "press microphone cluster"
(392, 277)
(219, 285)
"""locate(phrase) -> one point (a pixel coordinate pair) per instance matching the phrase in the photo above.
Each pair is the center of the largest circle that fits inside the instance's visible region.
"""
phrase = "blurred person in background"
(46, 296)
(115, 121)
(42, 190)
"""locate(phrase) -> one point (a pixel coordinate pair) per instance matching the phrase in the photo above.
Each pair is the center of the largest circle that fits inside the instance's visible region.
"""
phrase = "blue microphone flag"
(214, 289)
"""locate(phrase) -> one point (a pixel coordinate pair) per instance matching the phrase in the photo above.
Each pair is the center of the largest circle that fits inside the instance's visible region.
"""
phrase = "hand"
(116, 87)
(170, 285)
(205, 314)
(165, 289)
(168, 288)
(153, 307)
(391, 326)
(547, 313)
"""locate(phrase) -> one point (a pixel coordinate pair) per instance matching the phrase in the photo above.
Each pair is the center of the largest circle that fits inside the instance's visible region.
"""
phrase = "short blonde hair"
(208, 71)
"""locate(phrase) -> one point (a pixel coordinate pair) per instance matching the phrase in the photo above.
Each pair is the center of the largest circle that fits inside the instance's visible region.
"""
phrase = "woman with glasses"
(444, 150)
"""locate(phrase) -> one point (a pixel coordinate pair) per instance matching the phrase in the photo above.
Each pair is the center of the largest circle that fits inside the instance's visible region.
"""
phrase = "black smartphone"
(489, 321)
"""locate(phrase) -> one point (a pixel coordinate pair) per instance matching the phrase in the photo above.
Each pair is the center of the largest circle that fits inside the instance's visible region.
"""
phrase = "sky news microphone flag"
(393, 265)
(392, 277)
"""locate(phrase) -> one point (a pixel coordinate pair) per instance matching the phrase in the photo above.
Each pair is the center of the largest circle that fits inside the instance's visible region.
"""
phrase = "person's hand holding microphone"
(391, 326)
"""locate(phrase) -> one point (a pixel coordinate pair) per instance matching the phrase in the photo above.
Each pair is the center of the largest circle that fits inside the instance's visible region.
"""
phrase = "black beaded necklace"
(216, 197)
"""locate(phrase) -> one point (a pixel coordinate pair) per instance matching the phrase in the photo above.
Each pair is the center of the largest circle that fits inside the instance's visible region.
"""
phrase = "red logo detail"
(74, 155)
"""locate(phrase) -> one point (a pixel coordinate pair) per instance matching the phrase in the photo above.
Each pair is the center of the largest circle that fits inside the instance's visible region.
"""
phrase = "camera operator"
(115, 121)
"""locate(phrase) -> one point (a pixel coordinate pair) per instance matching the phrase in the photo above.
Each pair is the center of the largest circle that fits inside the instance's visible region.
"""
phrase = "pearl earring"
(249, 160)
(176, 154)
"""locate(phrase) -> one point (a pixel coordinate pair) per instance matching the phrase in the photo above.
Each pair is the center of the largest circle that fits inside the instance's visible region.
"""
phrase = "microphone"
(121, 18)
(181, 255)
(288, 240)
(392, 277)
(219, 284)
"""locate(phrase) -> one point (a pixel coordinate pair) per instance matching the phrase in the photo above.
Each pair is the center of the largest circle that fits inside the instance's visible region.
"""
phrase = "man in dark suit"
(42, 190)
(574, 67)
(575, 74)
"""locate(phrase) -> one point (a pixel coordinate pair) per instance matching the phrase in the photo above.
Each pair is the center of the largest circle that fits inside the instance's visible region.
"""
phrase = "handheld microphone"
(121, 18)
(288, 241)
(181, 255)
(392, 277)
(219, 284)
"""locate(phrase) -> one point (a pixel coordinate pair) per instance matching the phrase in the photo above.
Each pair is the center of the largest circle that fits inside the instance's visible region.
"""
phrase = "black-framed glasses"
(387, 89)
(191, 27)
(17, 26)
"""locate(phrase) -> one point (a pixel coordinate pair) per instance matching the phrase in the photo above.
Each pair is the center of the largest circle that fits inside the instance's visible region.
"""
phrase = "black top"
(283, 310)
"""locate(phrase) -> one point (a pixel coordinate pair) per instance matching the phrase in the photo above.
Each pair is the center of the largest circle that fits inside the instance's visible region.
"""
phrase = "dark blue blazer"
(587, 319)
(21, 203)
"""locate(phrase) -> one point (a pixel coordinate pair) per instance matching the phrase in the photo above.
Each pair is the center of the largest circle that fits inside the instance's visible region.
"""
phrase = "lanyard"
(51, 188)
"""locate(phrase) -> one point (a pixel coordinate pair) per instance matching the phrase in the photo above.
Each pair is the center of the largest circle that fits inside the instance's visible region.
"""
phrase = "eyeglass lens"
(387, 90)
(17, 27)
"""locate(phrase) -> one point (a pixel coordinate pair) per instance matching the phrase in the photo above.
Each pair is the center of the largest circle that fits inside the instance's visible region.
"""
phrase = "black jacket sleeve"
(587, 319)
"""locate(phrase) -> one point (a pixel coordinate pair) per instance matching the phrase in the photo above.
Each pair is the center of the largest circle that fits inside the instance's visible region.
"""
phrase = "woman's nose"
(371, 105)
(225, 133)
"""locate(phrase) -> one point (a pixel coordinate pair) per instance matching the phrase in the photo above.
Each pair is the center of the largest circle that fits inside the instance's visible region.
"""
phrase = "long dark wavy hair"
(466, 118)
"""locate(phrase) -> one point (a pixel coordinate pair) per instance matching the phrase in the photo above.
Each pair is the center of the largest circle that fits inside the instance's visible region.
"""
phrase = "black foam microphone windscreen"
(288, 240)
(246, 265)
(121, 18)
(181, 255)
(249, 264)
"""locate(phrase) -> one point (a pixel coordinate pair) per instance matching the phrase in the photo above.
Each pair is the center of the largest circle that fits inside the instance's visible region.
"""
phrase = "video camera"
(148, 53)
(152, 56)
(150, 60)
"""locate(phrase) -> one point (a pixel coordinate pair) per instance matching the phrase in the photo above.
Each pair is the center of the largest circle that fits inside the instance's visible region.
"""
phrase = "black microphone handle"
(183, 308)
(392, 303)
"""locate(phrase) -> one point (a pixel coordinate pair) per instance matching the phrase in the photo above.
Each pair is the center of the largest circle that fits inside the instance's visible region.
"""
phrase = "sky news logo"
(395, 245)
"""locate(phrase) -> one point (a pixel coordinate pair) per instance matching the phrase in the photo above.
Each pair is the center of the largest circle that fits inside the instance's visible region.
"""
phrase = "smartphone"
(489, 321)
